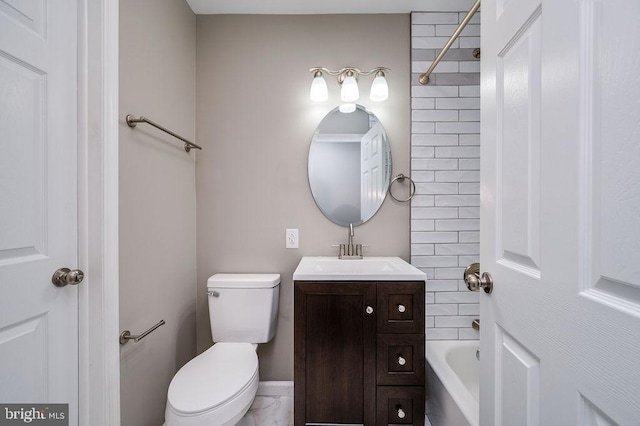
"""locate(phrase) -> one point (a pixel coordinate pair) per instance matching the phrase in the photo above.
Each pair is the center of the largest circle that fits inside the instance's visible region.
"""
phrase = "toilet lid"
(213, 377)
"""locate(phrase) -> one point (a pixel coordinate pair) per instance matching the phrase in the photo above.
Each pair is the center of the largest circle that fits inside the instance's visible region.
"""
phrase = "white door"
(372, 190)
(560, 212)
(38, 202)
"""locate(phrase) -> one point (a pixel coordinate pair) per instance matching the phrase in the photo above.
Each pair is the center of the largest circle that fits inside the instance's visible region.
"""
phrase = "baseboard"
(275, 388)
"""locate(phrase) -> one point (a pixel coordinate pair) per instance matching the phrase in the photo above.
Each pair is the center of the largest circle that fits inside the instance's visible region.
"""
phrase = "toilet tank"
(243, 308)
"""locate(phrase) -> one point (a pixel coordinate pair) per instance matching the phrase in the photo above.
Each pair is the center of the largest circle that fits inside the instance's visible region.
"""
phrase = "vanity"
(359, 342)
(358, 320)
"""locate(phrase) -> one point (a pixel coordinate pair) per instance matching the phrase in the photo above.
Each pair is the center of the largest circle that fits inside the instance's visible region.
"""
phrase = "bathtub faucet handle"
(475, 324)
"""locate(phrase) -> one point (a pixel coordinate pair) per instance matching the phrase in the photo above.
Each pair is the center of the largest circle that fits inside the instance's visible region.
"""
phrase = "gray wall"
(445, 165)
(157, 202)
(255, 120)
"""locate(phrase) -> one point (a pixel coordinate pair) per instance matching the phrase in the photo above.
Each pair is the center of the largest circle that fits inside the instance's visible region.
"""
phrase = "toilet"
(217, 387)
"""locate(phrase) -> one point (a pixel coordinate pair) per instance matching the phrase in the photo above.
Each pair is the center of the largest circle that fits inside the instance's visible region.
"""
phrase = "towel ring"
(401, 178)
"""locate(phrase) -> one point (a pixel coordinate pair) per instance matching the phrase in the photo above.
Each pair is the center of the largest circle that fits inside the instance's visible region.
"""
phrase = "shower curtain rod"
(424, 78)
(132, 121)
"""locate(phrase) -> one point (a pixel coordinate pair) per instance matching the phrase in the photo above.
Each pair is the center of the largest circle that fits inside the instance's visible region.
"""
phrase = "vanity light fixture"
(349, 91)
(318, 92)
(379, 88)
(348, 80)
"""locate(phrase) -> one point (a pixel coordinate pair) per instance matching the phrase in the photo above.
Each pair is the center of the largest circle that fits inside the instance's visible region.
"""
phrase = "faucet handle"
(359, 247)
(341, 249)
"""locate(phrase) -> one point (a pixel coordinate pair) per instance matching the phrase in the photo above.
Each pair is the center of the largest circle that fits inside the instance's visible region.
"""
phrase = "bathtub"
(452, 382)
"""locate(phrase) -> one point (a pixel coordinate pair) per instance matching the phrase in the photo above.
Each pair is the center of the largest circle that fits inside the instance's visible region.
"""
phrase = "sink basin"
(366, 269)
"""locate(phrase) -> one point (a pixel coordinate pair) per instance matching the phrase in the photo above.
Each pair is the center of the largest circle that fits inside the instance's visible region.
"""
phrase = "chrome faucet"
(350, 250)
(351, 234)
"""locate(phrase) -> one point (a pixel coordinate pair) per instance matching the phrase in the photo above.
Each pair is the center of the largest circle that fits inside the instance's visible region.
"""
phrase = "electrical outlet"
(291, 238)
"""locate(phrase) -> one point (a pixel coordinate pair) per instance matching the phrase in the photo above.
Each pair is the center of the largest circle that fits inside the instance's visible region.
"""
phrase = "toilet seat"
(217, 383)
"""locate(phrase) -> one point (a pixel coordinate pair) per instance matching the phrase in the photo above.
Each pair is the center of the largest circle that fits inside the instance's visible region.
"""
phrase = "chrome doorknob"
(475, 281)
(64, 276)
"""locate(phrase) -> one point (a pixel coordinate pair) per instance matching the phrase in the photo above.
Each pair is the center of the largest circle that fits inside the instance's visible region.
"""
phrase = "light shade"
(379, 88)
(349, 92)
(347, 108)
(318, 92)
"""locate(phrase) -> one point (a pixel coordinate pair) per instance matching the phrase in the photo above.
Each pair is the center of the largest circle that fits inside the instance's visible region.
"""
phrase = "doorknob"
(474, 281)
(64, 276)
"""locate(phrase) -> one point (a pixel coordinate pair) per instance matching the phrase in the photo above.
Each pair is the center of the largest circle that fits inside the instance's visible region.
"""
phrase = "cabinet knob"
(401, 308)
(401, 413)
(401, 360)
(369, 310)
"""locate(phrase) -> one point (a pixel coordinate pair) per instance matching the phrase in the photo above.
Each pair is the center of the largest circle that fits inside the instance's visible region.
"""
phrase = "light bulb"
(347, 108)
(349, 92)
(379, 88)
(318, 92)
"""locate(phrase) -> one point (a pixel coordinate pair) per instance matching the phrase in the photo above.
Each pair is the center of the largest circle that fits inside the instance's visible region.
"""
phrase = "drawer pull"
(401, 308)
(401, 413)
(369, 310)
(401, 360)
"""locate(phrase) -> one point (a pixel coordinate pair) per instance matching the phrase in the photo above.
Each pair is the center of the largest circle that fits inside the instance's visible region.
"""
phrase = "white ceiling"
(308, 7)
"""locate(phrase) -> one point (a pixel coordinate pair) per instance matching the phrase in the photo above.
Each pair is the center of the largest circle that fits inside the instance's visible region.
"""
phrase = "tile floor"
(426, 421)
(276, 411)
(269, 411)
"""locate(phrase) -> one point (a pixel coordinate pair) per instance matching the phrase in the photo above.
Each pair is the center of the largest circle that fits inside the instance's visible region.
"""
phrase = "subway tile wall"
(445, 165)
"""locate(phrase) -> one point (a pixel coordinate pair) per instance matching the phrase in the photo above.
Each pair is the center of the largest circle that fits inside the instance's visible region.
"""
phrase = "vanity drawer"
(400, 406)
(400, 359)
(401, 307)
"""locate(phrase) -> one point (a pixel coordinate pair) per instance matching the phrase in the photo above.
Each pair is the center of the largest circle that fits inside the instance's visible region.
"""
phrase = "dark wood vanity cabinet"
(359, 353)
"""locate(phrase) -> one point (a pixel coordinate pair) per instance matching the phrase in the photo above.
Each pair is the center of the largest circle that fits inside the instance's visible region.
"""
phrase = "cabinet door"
(335, 351)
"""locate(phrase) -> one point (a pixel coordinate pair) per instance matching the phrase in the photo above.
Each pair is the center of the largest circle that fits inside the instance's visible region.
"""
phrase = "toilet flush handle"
(213, 293)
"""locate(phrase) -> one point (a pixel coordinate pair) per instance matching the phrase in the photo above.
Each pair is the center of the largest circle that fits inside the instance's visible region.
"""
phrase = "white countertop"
(328, 268)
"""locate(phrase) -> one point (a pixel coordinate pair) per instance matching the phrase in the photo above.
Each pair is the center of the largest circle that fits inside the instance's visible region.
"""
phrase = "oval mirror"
(349, 166)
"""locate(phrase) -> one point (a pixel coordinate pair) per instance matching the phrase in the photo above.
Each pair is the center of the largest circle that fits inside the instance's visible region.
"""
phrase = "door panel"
(334, 341)
(24, 349)
(29, 13)
(518, 116)
(38, 202)
(559, 212)
(22, 163)
(592, 416)
(611, 150)
(371, 169)
(518, 376)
